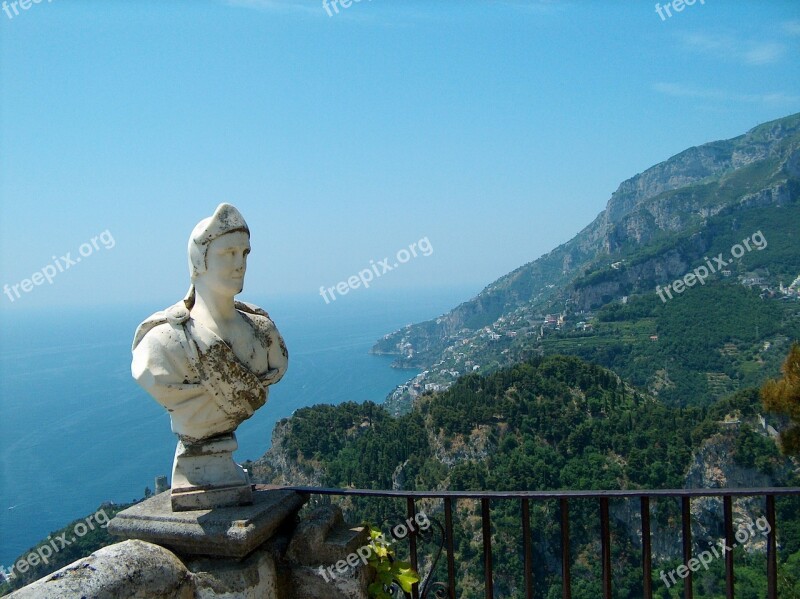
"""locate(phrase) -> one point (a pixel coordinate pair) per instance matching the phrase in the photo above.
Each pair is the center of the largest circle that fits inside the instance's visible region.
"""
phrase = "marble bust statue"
(209, 360)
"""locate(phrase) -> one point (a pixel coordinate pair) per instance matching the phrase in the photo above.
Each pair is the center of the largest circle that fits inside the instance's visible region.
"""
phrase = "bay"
(77, 431)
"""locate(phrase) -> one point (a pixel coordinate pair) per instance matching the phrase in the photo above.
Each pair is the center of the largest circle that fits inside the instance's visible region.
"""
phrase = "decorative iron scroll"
(434, 537)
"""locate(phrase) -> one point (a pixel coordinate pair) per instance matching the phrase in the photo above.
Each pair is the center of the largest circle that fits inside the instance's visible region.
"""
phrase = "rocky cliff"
(653, 229)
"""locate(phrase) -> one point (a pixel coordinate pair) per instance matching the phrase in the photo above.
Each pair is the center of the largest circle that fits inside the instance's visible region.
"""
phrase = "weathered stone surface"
(133, 569)
(225, 532)
(324, 538)
(253, 578)
(308, 583)
(320, 541)
(136, 569)
(205, 476)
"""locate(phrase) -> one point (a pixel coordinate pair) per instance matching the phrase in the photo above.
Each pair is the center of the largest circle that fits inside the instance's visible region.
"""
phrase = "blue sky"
(495, 129)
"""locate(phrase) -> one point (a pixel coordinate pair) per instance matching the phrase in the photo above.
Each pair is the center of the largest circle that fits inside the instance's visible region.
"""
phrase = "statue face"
(226, 263)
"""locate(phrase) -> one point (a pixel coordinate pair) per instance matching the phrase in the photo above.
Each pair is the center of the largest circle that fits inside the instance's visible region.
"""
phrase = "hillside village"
(503, 341)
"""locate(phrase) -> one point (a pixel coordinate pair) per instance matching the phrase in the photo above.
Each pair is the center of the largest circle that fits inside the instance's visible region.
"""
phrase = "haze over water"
(78, 431)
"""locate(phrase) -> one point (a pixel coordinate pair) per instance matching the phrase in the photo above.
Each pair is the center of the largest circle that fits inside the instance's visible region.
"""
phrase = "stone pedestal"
(204, 476)
(222, 532)
(217, 555)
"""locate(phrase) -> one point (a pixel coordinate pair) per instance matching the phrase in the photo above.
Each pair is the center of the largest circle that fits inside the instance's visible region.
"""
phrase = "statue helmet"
(226, 219)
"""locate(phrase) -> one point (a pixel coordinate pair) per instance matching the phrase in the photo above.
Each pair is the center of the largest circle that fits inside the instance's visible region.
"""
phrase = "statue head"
(218, 249)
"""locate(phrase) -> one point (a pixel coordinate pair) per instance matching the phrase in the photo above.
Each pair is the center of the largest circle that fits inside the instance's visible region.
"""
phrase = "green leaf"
(376, 591)
(404, 575)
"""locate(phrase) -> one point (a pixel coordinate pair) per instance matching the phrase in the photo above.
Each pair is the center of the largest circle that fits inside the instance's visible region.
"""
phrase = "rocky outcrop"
(675, 197)
(279, 468)
(473, 448)
(129, 569)
(713, 466)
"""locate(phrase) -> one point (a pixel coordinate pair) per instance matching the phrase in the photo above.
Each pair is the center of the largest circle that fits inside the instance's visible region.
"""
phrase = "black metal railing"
(428, 588)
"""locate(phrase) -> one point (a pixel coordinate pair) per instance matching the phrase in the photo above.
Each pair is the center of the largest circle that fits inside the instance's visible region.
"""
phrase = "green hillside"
(548, 423)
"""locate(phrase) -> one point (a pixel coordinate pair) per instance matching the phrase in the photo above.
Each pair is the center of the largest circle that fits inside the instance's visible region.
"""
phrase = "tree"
(783, 397)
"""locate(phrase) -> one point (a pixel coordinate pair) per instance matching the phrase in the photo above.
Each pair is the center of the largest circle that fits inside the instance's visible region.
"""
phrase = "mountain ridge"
(656, 226)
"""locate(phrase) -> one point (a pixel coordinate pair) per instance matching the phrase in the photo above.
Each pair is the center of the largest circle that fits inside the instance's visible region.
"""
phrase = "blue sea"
(77, 431)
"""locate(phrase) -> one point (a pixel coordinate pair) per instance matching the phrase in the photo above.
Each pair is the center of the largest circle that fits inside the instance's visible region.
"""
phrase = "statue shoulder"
(164, 321)
(252, 309)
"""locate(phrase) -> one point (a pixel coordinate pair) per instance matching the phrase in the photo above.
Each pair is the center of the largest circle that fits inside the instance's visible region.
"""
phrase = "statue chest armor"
(248, 341)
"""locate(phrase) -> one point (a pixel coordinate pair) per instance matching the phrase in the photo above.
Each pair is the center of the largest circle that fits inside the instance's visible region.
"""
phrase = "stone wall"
(286, 566)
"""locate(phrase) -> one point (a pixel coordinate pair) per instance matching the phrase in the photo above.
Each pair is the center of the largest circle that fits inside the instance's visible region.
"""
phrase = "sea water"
(77, 431)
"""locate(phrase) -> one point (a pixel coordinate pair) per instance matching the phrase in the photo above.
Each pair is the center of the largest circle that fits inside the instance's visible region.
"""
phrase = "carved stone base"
(204, 476)
(221, 532)
(206, 499)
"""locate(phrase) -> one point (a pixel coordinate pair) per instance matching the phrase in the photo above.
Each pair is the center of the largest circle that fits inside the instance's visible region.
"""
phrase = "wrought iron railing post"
(566, 582)
(451, 552)
(487, 547)
(772, 550)
(727, 514)
(647, 556)
(605, 547)
(412, 539)
(526, 547)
